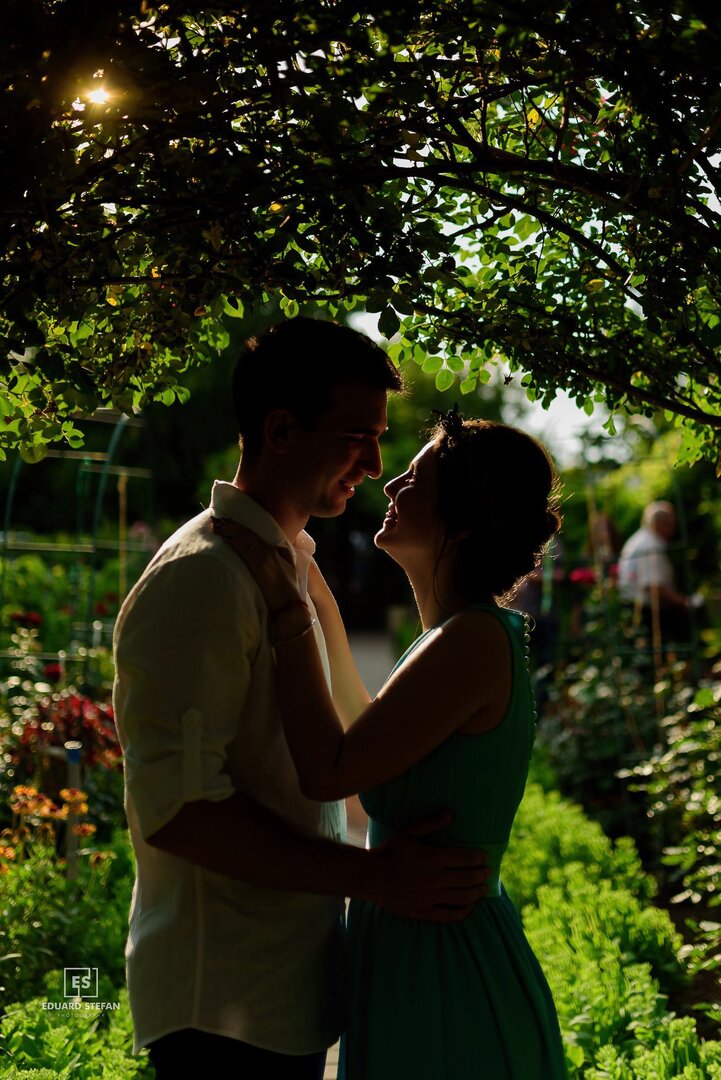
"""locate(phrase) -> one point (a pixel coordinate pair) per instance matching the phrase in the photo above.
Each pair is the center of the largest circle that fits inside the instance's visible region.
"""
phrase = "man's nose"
(372, 461)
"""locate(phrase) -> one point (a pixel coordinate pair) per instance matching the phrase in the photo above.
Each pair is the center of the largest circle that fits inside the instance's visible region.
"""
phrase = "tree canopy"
(518, 183)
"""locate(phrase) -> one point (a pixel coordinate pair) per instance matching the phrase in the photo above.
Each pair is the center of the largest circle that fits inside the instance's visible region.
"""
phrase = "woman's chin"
(382, 537)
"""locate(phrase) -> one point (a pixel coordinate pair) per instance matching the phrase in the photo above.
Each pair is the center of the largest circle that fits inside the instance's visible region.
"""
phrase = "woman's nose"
(390, 487)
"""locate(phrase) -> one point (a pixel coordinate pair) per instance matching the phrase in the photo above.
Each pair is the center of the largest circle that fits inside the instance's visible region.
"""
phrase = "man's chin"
(329, 510)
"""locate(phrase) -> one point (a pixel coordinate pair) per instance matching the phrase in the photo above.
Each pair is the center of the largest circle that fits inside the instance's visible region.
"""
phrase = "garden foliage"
(81, 1044)
(518, 184)
(682, 783)
(616, 965)
(50, 921)
(610, 957)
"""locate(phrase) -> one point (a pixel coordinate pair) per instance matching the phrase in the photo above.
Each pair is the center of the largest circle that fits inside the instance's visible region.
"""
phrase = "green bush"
(609, 956)
(32, 1074)
(550, 833)
(671, 1051)
(83, 1044)
(682, 783)
(49, 922)
(50, 591)
(67, 595)
(600, 716)
(595, 918)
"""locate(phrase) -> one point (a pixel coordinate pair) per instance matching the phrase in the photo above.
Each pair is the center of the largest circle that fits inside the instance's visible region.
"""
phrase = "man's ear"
(279, 429)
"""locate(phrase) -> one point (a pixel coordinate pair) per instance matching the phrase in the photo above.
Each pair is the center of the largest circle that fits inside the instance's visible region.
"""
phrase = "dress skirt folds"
(465, 1000)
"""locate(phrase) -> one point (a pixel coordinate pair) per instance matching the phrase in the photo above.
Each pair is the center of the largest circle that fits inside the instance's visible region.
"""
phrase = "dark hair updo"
(498, 498)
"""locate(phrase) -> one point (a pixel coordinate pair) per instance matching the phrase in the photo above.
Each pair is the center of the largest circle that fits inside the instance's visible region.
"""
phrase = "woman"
(452, 727)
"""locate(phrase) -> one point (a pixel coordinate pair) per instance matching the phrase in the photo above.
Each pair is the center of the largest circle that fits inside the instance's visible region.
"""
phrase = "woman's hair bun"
(498, 486)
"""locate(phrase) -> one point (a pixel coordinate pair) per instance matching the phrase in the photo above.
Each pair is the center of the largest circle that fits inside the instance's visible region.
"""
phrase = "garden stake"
(73, 749)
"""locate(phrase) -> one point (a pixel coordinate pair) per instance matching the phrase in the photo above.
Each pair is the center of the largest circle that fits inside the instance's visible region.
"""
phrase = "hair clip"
(451, 421)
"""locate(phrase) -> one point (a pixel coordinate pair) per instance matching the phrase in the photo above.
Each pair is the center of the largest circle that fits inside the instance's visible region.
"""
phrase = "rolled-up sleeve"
(183, 654)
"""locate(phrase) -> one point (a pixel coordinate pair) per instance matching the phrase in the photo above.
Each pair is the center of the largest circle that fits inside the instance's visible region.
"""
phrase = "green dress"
(466, 1000)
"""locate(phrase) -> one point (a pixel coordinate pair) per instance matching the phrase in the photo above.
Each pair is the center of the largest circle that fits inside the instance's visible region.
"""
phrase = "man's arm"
(186, 642)
(240, 839)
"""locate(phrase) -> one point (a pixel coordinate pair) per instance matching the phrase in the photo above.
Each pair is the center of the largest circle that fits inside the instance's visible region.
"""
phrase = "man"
(646, 577)
(235, 950)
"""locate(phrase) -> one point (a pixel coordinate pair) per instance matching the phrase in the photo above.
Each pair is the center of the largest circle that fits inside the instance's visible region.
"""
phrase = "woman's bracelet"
(295, 601)
(293, 637)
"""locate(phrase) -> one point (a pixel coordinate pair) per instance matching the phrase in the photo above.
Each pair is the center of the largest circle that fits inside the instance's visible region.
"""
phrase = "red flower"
(583, 575)
(66, 715)
(53, 673)
(28, 619)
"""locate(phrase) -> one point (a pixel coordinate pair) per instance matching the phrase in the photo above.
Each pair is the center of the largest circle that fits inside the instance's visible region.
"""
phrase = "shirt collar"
(228, 501)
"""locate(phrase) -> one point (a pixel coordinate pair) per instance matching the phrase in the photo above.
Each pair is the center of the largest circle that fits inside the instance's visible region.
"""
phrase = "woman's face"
(411, 525)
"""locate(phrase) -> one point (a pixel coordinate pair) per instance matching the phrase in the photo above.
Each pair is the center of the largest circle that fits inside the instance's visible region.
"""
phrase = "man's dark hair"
(295, 365)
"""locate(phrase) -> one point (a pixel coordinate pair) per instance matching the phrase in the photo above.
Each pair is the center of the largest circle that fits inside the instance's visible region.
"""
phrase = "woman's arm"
(350, 696)
(462, 667)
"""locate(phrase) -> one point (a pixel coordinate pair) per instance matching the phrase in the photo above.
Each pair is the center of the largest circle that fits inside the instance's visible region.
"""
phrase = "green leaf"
(704, 698)
(31, 453)
(575, 1054)
(376, 301)
(233, 307)
(432, 364)
(403, 304)
(389, 323)
(444, 379)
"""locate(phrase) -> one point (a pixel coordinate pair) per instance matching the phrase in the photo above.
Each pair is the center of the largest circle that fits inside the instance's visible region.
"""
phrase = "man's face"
(342, 449)
(665, 525)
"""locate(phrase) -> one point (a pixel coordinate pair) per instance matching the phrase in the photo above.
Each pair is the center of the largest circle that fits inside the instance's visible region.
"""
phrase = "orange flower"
(24, 792)
(73, 795)
(7, 852)
(84, 829)
(27, 803)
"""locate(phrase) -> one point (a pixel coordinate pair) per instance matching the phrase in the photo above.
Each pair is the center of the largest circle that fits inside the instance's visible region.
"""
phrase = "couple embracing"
(244, 724)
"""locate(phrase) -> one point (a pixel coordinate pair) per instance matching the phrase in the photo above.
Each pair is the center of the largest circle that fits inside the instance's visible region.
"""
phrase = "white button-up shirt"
(197, 719)
(642, 566)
